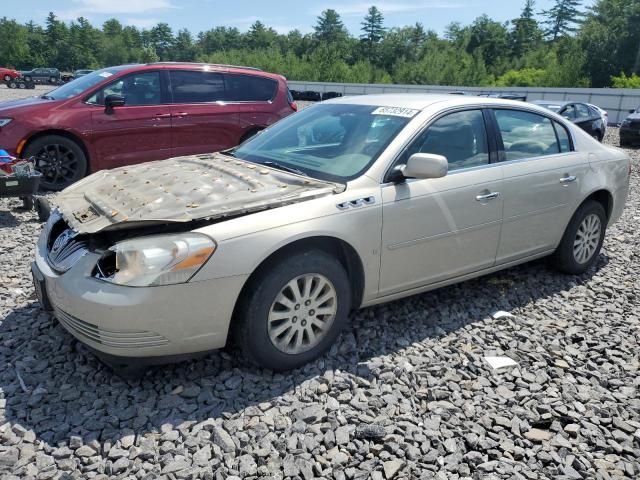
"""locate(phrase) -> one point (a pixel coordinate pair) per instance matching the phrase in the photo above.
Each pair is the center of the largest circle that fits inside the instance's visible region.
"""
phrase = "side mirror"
(111, 101)
(425, 165)
(632, 111)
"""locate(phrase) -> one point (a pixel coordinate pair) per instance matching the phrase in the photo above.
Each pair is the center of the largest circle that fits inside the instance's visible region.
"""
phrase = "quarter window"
(137, 89)
(563, 138)
(526, 134)
(196, 87)
(461, 137)
(248, 88)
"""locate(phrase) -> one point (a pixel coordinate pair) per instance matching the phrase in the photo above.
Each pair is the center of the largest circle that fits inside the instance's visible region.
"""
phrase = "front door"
(437, 229)
(137, 132)
(203, 121)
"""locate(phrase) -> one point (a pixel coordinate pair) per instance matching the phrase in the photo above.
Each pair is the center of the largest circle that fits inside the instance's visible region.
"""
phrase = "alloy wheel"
(58, 165)
(587, 238)
(302, 313)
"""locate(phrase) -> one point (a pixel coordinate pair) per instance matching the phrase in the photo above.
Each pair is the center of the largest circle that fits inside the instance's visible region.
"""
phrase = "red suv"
(134, 113)
(8, 74)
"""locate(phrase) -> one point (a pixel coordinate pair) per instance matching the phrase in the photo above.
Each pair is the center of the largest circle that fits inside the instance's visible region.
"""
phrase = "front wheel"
(60, 160)
(294, 311)
(7, 78)
(27, 78)
(582, 240)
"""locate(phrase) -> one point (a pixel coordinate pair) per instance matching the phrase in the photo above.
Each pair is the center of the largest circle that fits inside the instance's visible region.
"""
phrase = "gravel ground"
(16, 93)
(405, 393)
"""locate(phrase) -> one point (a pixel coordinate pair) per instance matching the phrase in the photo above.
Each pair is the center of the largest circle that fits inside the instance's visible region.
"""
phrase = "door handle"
(181, 114)
(160, 116)
(568, 179)
(487, 196)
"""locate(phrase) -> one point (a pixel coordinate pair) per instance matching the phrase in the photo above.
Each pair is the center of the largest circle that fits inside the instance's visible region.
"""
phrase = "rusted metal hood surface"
(181, 189)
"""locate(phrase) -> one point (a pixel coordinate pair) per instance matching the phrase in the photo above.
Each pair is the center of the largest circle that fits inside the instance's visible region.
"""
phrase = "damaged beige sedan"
(349, 203)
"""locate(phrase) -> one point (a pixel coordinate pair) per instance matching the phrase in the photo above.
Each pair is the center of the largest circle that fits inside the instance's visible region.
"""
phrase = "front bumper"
(149, 323)
(630, 134)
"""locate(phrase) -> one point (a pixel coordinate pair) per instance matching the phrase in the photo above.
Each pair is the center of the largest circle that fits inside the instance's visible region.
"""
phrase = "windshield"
(79, 85)
(335, 142)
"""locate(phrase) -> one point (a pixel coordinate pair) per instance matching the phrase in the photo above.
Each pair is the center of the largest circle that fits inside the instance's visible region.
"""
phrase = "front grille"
(64, 246)
(109, 338)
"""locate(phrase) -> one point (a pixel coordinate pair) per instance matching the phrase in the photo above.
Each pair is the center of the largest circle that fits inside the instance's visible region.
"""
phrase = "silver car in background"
(346, 204)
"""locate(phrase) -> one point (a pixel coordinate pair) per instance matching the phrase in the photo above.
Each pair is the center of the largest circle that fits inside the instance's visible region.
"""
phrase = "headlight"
(626, 123)
(5, 121)
(159, 260)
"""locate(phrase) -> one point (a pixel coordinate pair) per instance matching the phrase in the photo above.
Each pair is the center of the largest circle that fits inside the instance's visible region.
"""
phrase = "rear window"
(249, 88)
(197, 87)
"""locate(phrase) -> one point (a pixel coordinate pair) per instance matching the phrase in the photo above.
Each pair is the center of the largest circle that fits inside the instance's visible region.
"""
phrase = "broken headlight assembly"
(155, 260)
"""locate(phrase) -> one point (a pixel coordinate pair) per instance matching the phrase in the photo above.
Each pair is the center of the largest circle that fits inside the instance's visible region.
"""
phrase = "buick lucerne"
(346, 204)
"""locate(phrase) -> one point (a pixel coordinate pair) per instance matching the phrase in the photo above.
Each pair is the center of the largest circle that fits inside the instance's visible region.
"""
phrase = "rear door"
(588, 119)
(542, 176)
(203, 121)
(253, 98)
(137, 132)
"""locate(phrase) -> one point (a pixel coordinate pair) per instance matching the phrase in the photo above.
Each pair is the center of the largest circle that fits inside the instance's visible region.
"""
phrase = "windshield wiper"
(47, 97)
(279, 166)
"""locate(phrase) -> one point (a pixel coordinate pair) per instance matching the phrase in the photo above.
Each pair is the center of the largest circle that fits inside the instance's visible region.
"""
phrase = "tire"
(60, 160)
(254, 332)
(22, 85)
(27, 78)
(12, 84)
(7, 78)
(567, 257)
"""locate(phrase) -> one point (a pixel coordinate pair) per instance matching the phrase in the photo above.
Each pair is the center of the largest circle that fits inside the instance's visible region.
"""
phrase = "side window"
(563, 137)
(526, 134)
(582, 111)
(569, 112)
(460, 136)
(190, 86)
(137, 89)
(248, 88)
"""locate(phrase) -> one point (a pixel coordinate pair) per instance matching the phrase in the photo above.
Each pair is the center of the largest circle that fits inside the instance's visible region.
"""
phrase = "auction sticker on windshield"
(396, 112)
(106, 74)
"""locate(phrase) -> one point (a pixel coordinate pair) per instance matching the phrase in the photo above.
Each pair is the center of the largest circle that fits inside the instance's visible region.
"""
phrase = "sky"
(282, 15)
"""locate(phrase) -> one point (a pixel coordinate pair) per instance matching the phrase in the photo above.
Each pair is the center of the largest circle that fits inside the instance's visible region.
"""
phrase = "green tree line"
(565, 46)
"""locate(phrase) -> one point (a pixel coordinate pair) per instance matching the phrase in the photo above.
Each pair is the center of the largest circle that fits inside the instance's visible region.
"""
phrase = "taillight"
(294, 106)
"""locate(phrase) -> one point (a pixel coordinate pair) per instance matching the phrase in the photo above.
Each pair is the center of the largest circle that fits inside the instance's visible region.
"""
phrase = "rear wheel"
(22, 85)
(294, 311)
(27, 78)
(12, 84)
(7, 78)
(582, 239)
(52, 80)
(60, 160)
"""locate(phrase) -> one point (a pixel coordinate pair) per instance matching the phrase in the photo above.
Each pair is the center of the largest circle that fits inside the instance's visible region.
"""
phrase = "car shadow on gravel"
(54, 386)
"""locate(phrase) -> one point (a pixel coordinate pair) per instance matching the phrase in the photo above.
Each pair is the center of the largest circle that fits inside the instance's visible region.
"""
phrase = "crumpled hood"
(181, 189)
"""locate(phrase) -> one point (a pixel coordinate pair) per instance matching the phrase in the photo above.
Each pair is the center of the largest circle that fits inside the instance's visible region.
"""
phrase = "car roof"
(133, 67)
(421, 101)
